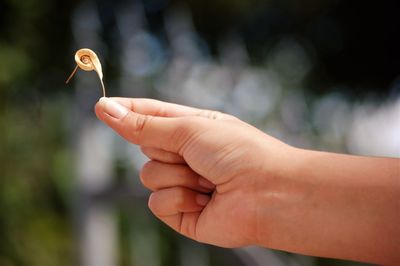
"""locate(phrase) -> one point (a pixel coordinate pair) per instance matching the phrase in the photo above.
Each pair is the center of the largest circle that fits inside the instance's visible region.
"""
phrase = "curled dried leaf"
(87, 60)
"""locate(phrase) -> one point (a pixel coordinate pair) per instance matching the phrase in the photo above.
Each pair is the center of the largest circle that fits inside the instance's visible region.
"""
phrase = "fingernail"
(202, 199)
(113, 108)
(205, 183)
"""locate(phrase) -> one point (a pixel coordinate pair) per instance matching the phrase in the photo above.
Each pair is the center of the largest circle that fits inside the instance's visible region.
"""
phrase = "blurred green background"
(316, 74)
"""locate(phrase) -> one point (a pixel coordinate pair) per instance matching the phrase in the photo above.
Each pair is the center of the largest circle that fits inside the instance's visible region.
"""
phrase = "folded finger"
(157, 176)
(162, 155)
(175, 200)
(179, 208)
(184, 223)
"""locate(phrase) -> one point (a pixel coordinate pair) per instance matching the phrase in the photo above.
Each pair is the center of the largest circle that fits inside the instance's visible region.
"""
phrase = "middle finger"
(157, 175)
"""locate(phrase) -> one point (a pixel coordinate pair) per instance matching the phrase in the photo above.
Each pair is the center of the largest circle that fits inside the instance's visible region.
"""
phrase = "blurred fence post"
(97, 221)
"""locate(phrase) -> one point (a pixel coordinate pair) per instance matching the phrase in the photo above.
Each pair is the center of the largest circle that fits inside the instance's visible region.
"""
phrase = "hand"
(196, 153)
(220, 181)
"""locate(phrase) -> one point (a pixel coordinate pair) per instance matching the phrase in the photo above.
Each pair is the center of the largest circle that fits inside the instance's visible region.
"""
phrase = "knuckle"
(141, 122)
(215, 115)
(135, 125)
(230, 117)
(161, 111)
(184, 171)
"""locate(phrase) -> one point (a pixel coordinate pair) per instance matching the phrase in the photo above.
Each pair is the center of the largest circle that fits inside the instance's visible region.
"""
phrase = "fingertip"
(113, 108)
(97, 109)
(101, 101)
(202, 199)
(151, 203)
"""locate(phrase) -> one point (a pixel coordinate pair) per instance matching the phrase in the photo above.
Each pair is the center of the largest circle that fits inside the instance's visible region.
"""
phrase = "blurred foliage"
(351, 42)
(35, 185)
(35, 161)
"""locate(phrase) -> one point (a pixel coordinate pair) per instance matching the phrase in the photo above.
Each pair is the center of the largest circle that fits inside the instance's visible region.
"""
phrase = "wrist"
(281, 189)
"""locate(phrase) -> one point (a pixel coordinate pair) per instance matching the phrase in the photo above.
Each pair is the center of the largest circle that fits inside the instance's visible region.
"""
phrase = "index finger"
(166, 133)
(164, 109)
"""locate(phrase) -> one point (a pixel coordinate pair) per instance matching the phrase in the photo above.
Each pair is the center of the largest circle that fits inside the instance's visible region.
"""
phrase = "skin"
(218, 180)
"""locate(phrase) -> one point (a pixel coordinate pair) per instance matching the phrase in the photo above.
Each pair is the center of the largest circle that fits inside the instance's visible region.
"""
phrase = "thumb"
(167, 133)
